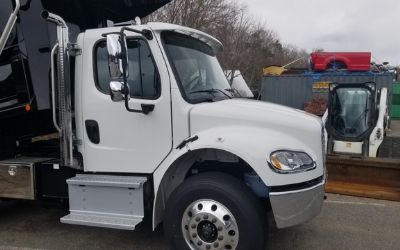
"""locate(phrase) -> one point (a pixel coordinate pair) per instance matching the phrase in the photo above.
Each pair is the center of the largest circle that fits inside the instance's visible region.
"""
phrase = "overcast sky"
(340, 25)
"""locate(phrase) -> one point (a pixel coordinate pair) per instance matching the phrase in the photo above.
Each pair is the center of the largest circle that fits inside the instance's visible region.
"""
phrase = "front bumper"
(297, 206)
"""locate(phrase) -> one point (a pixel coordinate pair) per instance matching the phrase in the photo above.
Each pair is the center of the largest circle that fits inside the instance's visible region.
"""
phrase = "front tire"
(214, 211)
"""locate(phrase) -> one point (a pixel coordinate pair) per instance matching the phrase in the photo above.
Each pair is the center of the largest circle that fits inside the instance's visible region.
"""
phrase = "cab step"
(108, 221)
(105, 201)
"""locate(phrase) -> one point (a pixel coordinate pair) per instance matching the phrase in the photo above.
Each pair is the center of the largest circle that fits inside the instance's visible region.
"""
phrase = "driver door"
(114, 139)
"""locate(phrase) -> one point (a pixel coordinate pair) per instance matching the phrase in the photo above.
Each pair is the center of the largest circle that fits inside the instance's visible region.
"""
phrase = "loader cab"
(352, 118)
(352, 111)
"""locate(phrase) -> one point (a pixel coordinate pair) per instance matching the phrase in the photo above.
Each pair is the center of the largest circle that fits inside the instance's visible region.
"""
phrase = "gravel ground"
(344, 223)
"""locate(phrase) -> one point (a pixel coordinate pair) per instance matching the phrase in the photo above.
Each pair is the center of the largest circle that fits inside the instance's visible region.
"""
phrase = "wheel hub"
(207, 231)
(207, 224)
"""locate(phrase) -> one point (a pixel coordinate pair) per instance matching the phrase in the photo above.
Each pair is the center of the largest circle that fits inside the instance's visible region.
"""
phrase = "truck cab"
(180, 118)
(148, 122)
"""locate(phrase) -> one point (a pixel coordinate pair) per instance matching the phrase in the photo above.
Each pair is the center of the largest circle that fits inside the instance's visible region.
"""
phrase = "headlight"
(291, 162)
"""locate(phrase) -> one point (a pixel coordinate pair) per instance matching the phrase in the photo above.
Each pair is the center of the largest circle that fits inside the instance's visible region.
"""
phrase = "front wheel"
(214, 211)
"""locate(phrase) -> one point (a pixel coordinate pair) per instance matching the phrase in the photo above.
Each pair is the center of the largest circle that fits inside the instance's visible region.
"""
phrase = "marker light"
(28, 108)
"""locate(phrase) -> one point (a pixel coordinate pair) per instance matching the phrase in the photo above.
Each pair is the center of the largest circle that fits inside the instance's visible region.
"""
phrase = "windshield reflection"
(196, 68)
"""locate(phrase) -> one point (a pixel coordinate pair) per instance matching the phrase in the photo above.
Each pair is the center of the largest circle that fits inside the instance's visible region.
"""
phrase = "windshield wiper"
(203, 100)
(235, 91)
(211, 91)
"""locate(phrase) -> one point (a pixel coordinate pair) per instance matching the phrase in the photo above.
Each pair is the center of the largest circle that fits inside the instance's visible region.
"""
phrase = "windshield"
(196, 68)
(351, 111)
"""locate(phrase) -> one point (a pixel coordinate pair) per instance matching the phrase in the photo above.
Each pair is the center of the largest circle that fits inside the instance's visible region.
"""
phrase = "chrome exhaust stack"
(62, 88)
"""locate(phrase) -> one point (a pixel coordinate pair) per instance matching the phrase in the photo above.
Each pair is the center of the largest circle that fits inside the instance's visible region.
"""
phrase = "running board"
(105, 201)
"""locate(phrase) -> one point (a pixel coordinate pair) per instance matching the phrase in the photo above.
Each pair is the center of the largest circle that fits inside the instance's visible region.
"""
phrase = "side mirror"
(115, 56)
(118, 91)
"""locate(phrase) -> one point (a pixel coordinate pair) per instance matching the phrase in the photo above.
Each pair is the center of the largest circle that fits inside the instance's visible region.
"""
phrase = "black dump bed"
(90, 13)
(25, 102)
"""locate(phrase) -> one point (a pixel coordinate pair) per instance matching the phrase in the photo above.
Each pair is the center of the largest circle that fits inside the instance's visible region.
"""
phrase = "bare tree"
(248, 45)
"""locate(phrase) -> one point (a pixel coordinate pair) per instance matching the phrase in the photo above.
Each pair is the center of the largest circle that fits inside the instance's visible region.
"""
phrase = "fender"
(254, 148)
(337, 59)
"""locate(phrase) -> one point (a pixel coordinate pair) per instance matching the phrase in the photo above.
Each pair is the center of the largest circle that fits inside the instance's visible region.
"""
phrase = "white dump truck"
(147, 125)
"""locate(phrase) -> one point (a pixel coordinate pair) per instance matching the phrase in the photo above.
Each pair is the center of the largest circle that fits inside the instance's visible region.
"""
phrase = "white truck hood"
(254, 129)
(251, 113)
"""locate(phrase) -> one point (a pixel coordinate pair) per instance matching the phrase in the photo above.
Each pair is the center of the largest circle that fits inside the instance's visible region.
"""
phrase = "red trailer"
(351, 61)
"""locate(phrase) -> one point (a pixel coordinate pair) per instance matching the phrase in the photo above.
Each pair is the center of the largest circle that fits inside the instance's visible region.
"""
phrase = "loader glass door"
(351, 113)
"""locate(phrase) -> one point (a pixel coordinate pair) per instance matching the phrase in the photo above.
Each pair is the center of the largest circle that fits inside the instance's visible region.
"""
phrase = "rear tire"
(214, 211)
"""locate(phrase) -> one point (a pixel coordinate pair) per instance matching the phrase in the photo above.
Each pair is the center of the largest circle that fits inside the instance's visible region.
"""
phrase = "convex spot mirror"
(118, 91)
(116, 58)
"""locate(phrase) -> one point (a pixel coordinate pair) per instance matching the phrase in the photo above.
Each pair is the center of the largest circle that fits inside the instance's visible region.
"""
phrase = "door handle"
(92, 130)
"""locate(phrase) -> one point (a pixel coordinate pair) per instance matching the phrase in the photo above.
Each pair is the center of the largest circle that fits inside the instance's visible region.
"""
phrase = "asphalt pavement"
(344, 223)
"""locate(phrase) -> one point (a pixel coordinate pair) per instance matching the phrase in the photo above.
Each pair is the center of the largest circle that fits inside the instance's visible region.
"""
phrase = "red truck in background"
(351, 61)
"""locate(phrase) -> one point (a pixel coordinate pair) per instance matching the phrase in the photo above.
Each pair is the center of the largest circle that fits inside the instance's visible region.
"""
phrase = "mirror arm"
(146, 108)
(146, 33)
(124, 68)
(110, 33)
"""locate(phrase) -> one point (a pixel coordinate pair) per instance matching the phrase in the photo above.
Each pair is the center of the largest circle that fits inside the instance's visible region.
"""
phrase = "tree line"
(249, 45)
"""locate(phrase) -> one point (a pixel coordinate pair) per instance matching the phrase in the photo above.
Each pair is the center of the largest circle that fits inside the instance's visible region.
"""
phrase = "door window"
(143, 77)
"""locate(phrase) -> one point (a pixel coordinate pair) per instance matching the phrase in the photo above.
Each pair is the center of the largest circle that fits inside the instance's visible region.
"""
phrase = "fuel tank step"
(105, 201)
(108, 221)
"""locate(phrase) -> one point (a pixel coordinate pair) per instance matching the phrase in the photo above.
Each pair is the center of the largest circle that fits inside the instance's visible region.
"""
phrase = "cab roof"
(158, 27)
(214, 43)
